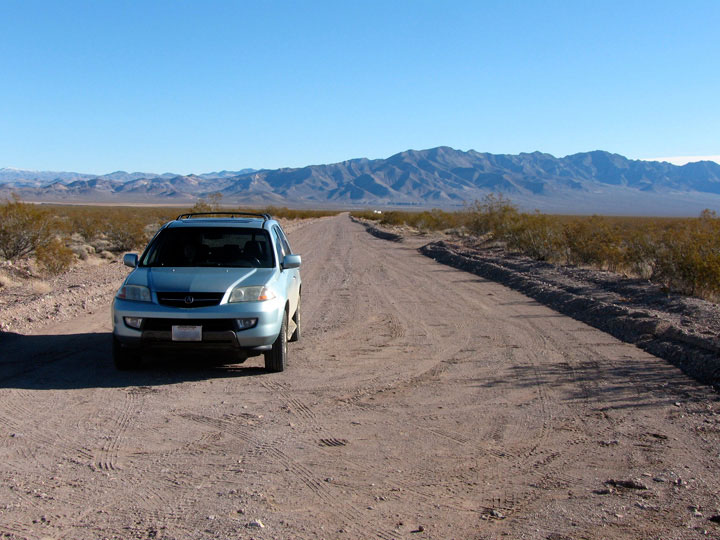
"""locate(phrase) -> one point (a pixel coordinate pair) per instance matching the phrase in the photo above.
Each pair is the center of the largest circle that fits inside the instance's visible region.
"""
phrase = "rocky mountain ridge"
(595, 181)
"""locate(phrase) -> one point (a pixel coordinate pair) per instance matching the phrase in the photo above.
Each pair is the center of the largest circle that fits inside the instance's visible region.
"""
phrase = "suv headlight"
(251, 294)
(137, 293)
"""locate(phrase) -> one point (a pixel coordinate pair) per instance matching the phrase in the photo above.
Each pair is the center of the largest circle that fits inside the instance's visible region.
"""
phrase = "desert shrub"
(537, 235)
(423, 221)
(81, 251)
(23, 228)
(54, 256)
(126, 233)
(594, 241)
(88, 225)
(642, 248)
(210, 203)
(493, 214)
(395, 217)
(436, 220)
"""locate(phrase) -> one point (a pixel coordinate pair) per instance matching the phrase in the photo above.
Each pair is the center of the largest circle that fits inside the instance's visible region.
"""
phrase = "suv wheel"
(276, 358)
(124, 358)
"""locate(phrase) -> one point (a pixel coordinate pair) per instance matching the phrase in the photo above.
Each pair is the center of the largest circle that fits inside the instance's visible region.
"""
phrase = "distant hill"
(22, 177)
(588, 182)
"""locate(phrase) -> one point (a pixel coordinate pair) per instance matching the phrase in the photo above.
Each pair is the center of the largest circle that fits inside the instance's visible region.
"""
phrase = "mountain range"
(588, 182)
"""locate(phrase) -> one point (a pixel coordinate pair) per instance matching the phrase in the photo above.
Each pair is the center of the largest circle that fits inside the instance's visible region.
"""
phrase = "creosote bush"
(54, 256)
(125, 233)
(211, 203)
(23, 228)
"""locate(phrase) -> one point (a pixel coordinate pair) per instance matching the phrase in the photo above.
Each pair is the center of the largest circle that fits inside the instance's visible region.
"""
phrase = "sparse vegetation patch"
(681, 254)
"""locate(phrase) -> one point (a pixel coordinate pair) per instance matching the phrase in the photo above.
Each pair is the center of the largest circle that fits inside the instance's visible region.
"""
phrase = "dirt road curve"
(422, 402)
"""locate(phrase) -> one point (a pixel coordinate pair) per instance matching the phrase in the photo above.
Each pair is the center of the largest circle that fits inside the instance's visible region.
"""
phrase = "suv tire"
(123, 358)
(276, 358)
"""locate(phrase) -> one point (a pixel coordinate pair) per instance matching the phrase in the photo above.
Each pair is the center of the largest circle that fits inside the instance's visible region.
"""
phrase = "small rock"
(256, 523)
(628, 484)
(609, 443)
(419, 529)
(715, 519)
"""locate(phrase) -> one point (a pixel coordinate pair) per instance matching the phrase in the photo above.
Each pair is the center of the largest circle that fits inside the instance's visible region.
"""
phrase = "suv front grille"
(189, 300)
(208, 325)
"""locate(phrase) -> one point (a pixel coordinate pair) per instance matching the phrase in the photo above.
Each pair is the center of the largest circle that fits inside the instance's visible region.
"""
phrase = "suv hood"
(198, 279)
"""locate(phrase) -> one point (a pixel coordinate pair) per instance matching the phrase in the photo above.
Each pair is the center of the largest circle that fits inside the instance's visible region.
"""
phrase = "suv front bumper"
(220, 332)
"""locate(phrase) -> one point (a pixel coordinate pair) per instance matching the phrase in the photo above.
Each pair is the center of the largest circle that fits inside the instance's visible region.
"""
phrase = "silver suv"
(228, 287)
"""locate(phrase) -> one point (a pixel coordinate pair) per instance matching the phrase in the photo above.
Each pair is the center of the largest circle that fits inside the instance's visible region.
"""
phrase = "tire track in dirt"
(355, 519)
(533, 457)
(108, 455)
(443, 344)
(305, 416)
(16, 530)
(440, 343)
(28, 427)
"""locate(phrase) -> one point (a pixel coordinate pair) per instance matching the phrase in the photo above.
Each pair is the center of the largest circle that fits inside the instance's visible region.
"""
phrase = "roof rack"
(231, 214)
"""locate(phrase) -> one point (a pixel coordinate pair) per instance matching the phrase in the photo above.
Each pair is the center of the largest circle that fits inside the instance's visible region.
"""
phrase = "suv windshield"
(210, 246)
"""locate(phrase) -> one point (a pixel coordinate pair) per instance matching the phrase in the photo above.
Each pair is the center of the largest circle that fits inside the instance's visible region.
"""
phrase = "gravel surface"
(682, 329)
(31, 302)
(423, 402)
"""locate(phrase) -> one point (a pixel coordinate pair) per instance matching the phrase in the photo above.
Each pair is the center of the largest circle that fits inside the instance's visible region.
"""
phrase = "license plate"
(187, 333)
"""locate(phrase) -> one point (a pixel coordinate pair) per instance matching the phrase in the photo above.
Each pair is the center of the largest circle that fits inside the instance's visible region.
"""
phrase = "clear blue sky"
(198, 86)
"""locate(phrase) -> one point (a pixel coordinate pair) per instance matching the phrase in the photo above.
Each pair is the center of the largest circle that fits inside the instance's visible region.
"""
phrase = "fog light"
(133, 322)
(244, 324)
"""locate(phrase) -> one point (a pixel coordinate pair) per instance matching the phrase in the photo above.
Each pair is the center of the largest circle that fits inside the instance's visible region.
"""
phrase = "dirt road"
(422, 402)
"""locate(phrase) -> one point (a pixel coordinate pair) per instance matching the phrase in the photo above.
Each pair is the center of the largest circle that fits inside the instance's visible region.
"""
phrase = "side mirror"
(130, 259)
(291, 261)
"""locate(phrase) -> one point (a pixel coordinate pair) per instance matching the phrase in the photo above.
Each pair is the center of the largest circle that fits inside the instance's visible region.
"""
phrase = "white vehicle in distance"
(225, 285)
